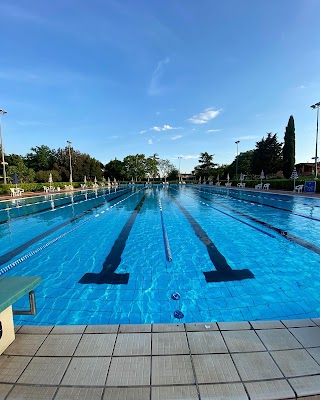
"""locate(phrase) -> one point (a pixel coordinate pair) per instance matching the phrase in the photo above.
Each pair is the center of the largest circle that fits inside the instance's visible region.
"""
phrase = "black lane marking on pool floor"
(285, 234)
(13, 253)
(113, 260)
(224, 272)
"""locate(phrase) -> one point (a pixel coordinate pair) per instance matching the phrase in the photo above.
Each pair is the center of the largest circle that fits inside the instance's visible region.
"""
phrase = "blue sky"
(171, 77)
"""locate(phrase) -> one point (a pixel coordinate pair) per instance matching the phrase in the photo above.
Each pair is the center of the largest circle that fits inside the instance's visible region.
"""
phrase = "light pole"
(237, 143)
(316, 106)
(69, 143)
(179, 168)
(2, 112)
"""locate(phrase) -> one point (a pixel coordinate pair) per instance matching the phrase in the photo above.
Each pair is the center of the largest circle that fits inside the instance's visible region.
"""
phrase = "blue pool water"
(118, 256)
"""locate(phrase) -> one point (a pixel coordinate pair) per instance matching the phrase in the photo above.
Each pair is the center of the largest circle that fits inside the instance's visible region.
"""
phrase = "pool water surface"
(118, 256)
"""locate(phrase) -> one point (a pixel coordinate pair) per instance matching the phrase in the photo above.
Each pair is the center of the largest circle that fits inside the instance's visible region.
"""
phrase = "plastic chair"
(266, 186)
(258, 186)
(298, 188)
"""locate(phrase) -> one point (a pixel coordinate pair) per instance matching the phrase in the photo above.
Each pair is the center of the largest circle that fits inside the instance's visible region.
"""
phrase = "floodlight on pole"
(179, 158)
(316, 106)
(2, 112)
(69, 144)
(237, 143)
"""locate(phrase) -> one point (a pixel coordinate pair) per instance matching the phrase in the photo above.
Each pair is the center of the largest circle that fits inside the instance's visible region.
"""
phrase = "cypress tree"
(289, 148)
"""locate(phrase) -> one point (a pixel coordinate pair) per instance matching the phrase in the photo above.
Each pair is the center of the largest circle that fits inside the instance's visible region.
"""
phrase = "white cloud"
(213, 130)
(158, 113)
(302, 87)
(205, 116)
(154, 87)
(142, 131)
(150, 141)
(187, 156)
(175, 137)
(163, 128)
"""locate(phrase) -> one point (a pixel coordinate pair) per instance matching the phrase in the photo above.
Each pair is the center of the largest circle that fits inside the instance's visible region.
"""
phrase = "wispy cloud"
(19, 13)
(213, 130)
(301, 87)
(187, 156)
(142, 131)
(163, 128)
(155, 87)
(205, 116)
(175, 137)
(150, 141)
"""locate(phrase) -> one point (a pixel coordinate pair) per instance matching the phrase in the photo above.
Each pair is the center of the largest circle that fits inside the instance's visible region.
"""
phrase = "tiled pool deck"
(241, 360)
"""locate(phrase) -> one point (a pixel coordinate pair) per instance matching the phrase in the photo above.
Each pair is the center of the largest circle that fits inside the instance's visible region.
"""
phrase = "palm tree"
(206, 164)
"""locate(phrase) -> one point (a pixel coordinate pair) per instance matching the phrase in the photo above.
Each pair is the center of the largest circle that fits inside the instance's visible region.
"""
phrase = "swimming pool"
(118, 256)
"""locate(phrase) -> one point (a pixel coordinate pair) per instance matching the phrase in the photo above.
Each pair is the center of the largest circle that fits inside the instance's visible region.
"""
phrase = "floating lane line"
(6, 257)
(296, 239)
(165, 236)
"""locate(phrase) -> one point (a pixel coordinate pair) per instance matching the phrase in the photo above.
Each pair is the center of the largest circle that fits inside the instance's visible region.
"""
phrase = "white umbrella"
(103, 179)
(262, 176)
(85, 179)
(218, 177)
(228, 177)
(95, 179)
(200, 180)
(241, 177)
(109, 183)
(50, 178)
(204, 180)
(294, 176)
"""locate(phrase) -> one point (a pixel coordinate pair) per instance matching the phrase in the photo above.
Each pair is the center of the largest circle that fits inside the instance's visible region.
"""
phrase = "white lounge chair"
(228, 184)
(217, 183)
(266, 186)
(258, 186)
(241, 185)
(298, 188)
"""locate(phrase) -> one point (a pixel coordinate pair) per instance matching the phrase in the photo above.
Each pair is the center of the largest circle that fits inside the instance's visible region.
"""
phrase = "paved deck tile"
(233, 326)
(210, 326)
(295, 363)
(270, 390)
(129, 371)
(242, 341)
(98, 344)
(133, 344)
(256, 366)
(171, 370)
(206, 342)
(215, 368)
(59, 345)
(308, 337)
(25, 345)
(11, 367)
(267, 325)
(87, 371)
(58, 329)
(168, 328)
(45, 371)
(306, 385)
(297, 323)
(169, 343)
(135, 328)
(4, 390)
(315, 353)
(131, 393)
(229, 391)
(36, 330)
(101, 329)
(174, 393)
(278, 339)
(32, 392)
(76, 393)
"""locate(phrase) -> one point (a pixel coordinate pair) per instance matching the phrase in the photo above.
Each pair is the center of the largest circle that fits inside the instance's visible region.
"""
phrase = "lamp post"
(2, 112)
(179, 158)
(69, 143)
(316, 106)
(237, 143)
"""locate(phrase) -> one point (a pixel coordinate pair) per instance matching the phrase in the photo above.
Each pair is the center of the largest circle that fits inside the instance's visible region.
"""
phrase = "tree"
(165, 168)
(114, 169)
(25, 174)
(42, 158)
(268, 155)
(289, 148)
(205, 168)
(244, 163)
